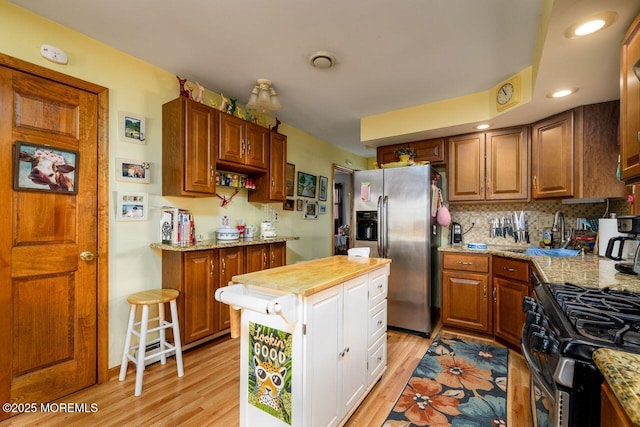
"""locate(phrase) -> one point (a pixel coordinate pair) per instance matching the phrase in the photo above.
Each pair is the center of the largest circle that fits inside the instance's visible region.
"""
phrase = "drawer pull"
(379, 323)
(494, 295)
(380, 286)
(509, 269)
(465, 263)
(379, 359)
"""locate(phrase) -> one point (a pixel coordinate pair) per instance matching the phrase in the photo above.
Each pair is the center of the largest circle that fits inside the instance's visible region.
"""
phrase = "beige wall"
(140, 88)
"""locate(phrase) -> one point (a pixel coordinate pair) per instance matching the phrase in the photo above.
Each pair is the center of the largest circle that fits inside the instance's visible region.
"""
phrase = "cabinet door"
(507, 173)
(232, 139)
(464, 300)
(552, 157)
(630, 104)
(323, 345)
(354, 341)
(231, 263)
(257, 258)
(199, 286)
(430, 150)
(507, 305)
(277, 254)
(200, 148)
(466, 168)
(277, 167)
(257, 146)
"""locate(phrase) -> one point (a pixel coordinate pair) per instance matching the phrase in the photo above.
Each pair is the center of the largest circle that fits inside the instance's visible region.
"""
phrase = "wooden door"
(48, 253)
(199, 284)
(466, 168)
(231, 263)
(257, 146)
(507, 173)
(464, 300)
(257, 258)
(231, 144)
(277, 254)
(552, 157)
(630, 104)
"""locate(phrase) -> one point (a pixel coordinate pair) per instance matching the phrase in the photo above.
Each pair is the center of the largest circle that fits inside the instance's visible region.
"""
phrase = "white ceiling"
(390, 54)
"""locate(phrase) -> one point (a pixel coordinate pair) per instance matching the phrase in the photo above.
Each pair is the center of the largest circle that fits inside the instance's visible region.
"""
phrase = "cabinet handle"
(213, 171)
(346, 350)
(264, 260)
(224, 266)
(465, 263)
(273, 257)
(379, 322)
(248, 147)
(242, 147)
(341, 354)
(379, 359)
(273, 182)
(494, 295)
(380, 286)
(484, 291)
(535, 182)
(509, 269)
(212, 268)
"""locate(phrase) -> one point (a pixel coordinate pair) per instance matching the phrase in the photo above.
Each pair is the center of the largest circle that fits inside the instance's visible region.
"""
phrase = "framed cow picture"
(44, 168)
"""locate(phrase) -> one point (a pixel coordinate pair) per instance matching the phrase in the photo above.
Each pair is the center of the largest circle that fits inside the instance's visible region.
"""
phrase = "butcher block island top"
(308, 277)
(218, 244)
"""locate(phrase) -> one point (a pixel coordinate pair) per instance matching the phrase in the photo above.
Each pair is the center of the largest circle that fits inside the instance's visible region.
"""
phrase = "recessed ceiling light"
(590, 24)
(561, 93)
(322, 60)
(483, 126)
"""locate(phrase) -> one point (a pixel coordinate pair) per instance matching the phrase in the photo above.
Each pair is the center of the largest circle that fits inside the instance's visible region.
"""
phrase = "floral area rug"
(457, 383)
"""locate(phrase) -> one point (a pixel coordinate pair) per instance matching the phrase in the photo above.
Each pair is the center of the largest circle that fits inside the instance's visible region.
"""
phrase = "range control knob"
(529, 304)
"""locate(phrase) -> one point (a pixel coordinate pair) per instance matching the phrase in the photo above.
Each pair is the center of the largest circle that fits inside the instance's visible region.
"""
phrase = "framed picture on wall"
(299, 205)
(288, 205)
(307, 185)
(132, 127)
(129, 170)
(310, 209)
(44, 168)
(290, 179)
(131, 206)
(322, 193)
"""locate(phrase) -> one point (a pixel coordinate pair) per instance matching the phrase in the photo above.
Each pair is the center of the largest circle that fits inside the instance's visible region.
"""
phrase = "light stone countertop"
(217, 244)
(308, 277)
(622, 371)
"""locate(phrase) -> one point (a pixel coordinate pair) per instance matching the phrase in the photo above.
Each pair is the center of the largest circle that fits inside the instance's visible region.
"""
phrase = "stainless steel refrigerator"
(393, 218)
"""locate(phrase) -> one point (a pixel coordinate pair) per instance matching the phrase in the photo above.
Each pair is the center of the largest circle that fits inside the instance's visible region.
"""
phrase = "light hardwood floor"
(208, 393)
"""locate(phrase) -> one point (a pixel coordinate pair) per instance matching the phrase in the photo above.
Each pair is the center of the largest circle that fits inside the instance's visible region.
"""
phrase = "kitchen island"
(313, 339)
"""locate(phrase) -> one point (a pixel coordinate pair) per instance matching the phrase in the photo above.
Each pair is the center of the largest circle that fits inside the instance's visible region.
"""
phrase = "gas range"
(565, 324)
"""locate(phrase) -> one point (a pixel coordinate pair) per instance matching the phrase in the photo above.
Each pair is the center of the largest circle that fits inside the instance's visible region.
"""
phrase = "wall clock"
(508, 94)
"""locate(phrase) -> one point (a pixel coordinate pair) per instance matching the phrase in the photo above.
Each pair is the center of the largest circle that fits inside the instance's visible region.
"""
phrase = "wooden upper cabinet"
(630, 104)
(272, 186)
(552, 157)
(466, 167)
(507, 164)
(243, 146)
(189, 143)
(430, 150)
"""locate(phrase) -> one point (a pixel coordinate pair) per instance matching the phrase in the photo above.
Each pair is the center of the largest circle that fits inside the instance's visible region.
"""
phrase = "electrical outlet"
(276, 216)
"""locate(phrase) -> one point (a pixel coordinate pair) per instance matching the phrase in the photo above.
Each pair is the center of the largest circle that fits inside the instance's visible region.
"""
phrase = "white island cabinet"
(313, 339)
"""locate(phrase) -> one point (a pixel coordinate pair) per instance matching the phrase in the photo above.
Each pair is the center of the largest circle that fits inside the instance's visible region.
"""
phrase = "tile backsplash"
(539, 216)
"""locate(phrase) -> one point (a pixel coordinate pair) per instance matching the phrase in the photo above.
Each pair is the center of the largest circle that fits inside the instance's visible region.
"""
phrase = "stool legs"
(163, 335)
(127, 344)
(176, 336)
(142, 346)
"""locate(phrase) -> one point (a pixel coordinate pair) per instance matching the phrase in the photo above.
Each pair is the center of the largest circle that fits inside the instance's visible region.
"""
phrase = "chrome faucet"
(558, 222)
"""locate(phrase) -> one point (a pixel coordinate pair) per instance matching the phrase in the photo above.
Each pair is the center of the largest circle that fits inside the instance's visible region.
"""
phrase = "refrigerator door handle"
(380, 222)
(385, 240)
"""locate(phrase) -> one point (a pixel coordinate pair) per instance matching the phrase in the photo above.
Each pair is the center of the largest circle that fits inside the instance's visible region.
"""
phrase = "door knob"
(87, 256)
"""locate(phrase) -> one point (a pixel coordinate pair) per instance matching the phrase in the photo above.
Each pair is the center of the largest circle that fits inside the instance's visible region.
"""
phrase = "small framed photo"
(290, 179)
(288, 205)
(307, 185)
(322, 193)
(299, 205)
(129, 170)
(322, 209)
(310, 209)
(132, 127)
(44, 168)
(131, 206)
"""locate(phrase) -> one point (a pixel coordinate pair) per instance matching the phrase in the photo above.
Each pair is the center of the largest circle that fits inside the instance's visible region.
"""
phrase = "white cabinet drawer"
(377, 322)
(377, 286)
(377, 361)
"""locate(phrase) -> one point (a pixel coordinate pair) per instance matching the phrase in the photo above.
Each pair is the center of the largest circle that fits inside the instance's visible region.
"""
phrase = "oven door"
(543, 391)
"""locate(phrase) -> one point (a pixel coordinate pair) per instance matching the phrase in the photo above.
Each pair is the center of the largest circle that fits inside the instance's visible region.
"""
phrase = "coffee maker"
(629, 225)
(455, 233)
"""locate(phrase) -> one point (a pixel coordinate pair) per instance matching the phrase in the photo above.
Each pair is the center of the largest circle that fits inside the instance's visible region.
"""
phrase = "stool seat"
(140, 329)
(153, 296)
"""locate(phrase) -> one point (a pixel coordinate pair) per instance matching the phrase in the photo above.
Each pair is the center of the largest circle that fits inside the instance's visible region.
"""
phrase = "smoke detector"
(322, 60)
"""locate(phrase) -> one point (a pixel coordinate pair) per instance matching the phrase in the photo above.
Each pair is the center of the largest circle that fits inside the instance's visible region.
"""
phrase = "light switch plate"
(53, 54)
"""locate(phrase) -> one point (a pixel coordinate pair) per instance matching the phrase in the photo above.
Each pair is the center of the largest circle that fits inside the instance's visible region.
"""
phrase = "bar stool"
(145, 299)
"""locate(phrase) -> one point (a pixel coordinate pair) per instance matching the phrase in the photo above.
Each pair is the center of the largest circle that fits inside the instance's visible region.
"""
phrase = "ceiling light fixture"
(322, 60)
(264, 97)
(590, 24)
(561, 93)
(483, 126)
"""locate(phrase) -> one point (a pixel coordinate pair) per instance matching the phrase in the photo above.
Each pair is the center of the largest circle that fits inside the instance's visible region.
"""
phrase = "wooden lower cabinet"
(197, 275)
(484, 293)
(612, 413)
(465, 291)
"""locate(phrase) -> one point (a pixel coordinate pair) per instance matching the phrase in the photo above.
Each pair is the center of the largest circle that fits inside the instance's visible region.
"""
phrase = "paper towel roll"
(607, 228)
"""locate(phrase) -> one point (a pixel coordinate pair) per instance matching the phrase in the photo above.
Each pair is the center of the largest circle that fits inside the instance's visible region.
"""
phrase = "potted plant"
(405, 153)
